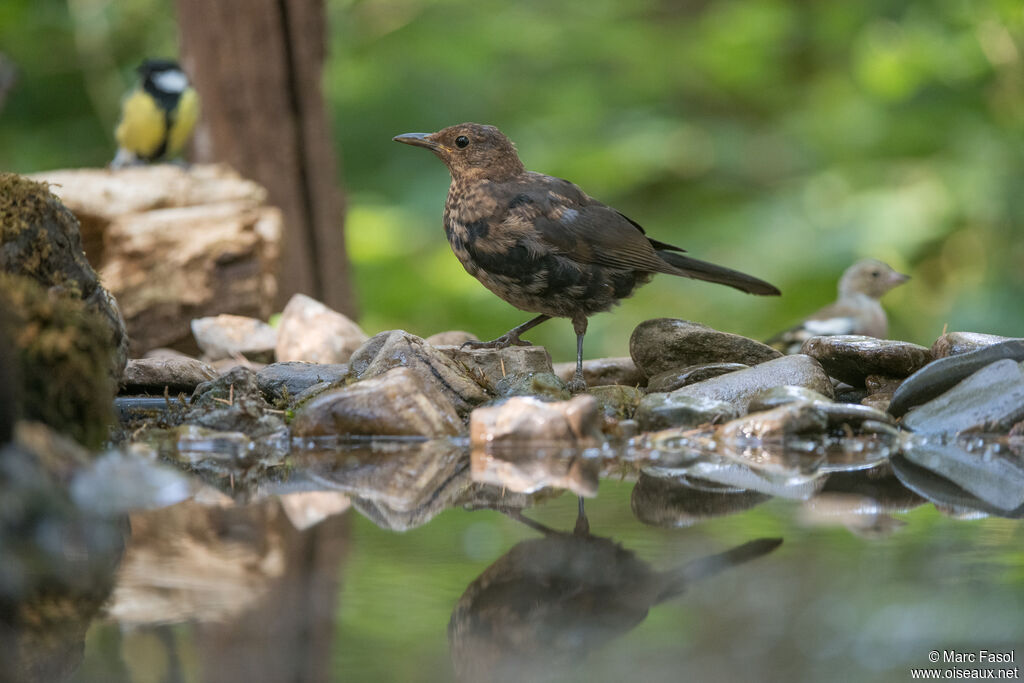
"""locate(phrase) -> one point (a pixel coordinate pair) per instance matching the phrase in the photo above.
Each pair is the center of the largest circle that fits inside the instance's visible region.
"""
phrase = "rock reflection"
(678, 501)
(547, 602)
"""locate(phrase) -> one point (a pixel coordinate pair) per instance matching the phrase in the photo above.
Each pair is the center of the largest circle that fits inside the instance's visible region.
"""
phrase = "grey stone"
(739, 388)
(176, 374)
(940, 375)
(802, 417)
(852, 358)
(992, 399)
(397, 403)
(398, 348)
(295, 377)
(665, 410)
(229, 336)
(524, 420)
(996, 478)
(773, 397)
(957, 343)
(490, 366)
(664, 344)
(599, 372)
(310, 331)
(451, 338)
(670, 380)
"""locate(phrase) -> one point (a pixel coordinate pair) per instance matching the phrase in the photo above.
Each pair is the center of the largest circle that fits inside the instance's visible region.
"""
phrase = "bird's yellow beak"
(418, 140)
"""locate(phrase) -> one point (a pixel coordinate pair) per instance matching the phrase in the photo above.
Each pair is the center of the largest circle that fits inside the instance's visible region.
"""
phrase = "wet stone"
(600, 372)
(616, 401)
(310, 331)
(879, 401)
(229, 336)
(670, 380)
(176, 374)
(543, 385)
(957, 343)
(940, 375)
(524, 420)
(397, 403)
(398, 348)
(852, 358)
(995, 477)
(990, 400)
(665, 344)
(774, 397)
(739, 388)
(665, 410)
(492, 365)
(785, 420)
(451, 338)
(287, 380)
(877, 384)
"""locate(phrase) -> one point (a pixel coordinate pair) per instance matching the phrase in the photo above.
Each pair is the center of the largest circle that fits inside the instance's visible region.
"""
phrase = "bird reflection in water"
(547, 602)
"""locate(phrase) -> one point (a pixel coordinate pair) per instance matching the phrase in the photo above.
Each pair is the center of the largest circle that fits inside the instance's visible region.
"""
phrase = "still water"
(412, 562)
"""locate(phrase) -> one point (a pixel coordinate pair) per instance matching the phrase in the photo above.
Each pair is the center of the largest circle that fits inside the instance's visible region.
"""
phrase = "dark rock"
(878, 384)
(231, 336)
(740, 387)
(524, 421)
(544, 385)
(397, 348)
(234, 403)
(774, 397)
(600, 372)
(665, 410)
(490, 366)
(990, 400)
(397, 403)
(942, 492)
(680, 501)
(154, 375)
(289, 379)
(665, 344)
(670, 380)
(847, 394)
(940, 375)
(957, 343)
(310, 331)
(852, 358)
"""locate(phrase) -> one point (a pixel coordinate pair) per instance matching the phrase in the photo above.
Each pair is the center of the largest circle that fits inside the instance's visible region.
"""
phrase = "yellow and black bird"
(158, 116)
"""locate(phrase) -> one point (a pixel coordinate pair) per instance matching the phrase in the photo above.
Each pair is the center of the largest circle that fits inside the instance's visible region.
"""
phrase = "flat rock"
(294, 377)
(670, 380)
(398, 348)
(739, 388)
(664, 410)
(600, 372)
(493, 365)
(310, 331)
(852, 358)
(524, 420)
(942, 374)
(665, 344)
(226, 336)
(957, 343)
(398, 402)
(153, 375)
(990, 400)
(451, 338)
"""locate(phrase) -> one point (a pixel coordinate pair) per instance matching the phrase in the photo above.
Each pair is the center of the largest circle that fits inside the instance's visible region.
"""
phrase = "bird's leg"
(582, 524)
(578, 384)
(510, 338)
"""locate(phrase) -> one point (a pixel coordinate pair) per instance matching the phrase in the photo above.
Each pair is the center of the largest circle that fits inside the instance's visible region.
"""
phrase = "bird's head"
(470, 150)
(870, 277)
(163, 76)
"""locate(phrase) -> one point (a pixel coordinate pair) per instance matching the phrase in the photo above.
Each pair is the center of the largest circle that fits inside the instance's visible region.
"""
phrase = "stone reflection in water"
(679, 501)
(261, 594)
(547, 602)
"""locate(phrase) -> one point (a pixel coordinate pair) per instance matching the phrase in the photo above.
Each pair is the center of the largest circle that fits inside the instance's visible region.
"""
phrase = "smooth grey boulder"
(942, 374)
(665, 410)
(398, 348)
(153, 375)
(397, 403)
(664, 344)
(739, 388)
(957, 343)
(851, 358)
(670, 380)
(990, 400)
(493, 365)
(293, 377)
(599, 372)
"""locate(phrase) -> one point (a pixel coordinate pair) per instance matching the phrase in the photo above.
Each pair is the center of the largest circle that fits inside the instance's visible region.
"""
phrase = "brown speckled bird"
(856, 311)
(541, 243)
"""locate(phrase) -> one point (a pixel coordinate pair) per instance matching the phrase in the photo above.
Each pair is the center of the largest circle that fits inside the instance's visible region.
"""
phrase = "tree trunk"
(257, 66)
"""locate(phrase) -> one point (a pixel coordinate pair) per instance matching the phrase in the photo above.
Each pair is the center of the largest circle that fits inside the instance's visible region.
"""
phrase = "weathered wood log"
(173, 244)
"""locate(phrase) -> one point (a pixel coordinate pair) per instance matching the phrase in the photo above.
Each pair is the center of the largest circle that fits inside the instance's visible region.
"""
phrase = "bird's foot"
(577, 385)
(503, 342)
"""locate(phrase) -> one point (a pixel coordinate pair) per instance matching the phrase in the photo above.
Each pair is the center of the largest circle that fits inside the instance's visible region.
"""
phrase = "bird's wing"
(831, 320)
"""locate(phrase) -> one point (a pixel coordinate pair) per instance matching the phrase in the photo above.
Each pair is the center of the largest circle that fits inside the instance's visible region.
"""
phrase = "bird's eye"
(461, 141)
(875, 273)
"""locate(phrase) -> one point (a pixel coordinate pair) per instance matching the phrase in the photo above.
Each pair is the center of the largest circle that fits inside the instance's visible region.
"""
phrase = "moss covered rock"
(41, 239)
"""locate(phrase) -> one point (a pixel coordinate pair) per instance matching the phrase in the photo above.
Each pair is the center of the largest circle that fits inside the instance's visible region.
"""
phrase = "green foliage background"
(781, 137)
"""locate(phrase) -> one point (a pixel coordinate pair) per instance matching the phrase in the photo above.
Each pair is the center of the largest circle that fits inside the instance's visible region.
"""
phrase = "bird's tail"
(686, 266)
(678, 580)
